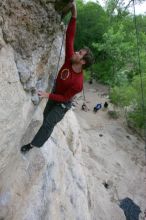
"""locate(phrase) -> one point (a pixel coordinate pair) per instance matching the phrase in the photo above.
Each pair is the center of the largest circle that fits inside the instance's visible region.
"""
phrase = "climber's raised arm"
(70, 33)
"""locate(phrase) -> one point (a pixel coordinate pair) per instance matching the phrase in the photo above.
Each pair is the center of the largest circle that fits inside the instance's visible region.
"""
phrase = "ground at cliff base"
(113, 154)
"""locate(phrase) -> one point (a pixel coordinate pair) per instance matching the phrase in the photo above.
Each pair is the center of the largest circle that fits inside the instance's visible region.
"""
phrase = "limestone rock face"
(30, 36)
(30, 39)
(47, 183)
(31, 27)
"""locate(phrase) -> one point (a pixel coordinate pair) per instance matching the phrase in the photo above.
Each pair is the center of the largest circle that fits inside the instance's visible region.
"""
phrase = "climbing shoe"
(26, 148)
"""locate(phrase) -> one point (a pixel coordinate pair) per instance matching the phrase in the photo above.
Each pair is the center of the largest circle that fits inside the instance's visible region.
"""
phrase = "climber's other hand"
(43, 94)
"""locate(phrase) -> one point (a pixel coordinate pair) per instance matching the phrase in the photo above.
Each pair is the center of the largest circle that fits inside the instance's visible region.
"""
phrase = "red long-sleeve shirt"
(68, 82)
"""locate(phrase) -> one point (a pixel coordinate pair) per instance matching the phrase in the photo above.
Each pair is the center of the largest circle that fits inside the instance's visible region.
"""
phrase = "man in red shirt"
(68, 83)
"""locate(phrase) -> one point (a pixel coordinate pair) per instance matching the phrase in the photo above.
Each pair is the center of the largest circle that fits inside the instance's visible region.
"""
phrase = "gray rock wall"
(31, 27)
(48, 183)
(30, 42)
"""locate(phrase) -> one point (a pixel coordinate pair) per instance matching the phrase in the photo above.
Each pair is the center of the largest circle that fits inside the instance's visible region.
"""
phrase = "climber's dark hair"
(88, 57)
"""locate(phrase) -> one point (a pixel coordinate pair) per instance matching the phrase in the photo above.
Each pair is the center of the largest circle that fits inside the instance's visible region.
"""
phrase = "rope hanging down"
(140, 73)
(84, 94)
(60, 53)
(63, 13)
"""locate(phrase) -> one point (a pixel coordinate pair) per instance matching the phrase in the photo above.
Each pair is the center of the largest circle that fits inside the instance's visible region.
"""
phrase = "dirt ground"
(112, 153)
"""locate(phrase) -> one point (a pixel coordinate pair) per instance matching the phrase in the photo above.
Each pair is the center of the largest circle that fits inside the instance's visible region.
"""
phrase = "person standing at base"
(69, 82)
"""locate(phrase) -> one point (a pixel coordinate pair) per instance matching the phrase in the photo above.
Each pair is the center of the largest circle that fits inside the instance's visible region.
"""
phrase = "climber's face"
(78, 57)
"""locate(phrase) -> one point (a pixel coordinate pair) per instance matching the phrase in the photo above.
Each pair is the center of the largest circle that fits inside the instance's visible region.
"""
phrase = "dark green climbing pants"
(53, 113)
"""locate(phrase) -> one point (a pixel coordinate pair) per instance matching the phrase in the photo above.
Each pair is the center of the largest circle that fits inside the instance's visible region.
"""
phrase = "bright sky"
(139, 8)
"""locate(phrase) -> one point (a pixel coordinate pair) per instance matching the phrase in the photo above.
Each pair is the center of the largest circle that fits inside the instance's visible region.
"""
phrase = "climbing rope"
(62, 16)
(84, 94)
(60, 53)
(140, 73)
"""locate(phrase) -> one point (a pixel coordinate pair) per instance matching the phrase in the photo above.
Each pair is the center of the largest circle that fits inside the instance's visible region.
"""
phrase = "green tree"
(131, 96)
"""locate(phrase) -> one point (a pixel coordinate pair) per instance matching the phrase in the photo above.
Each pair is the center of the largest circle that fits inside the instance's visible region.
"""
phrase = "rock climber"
(69, 82)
